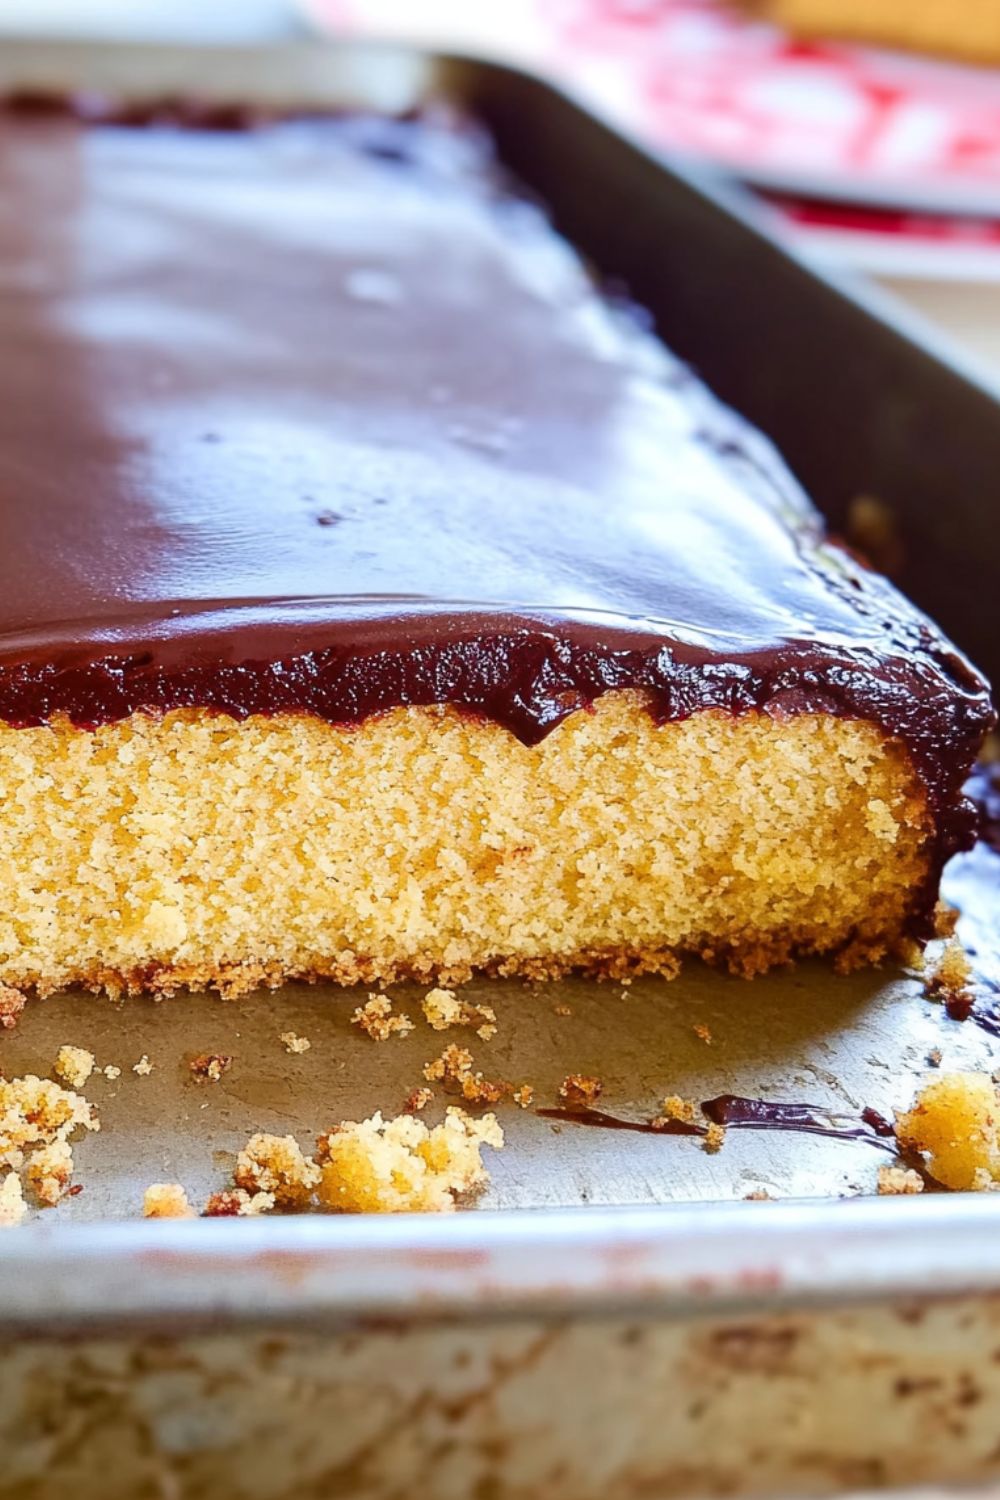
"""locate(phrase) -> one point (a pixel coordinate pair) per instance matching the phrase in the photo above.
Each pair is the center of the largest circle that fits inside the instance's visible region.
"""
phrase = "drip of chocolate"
(318, 416)
(738, 1113)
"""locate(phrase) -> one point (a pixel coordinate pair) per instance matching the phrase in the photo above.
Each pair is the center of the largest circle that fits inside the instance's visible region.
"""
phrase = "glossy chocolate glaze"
(317, 415)
(738, 1113)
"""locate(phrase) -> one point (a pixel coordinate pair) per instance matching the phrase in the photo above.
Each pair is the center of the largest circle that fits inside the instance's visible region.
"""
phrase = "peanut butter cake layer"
(377, 599)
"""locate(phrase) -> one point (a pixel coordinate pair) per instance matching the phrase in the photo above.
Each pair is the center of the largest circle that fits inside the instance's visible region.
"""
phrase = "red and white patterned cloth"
(833, 121)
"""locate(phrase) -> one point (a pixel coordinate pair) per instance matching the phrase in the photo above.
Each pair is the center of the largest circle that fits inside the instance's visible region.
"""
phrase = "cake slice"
(377, 600)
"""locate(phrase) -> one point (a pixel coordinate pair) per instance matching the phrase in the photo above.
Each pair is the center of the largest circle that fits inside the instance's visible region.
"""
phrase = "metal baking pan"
(825, 1339)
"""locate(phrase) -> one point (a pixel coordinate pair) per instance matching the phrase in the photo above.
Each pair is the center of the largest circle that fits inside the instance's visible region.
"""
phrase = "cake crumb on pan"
(143, 1067)
(455, 1066)
(894, 1182)
(523, 1096)
(12, 1002)
(37, 1119)
(210, 1066)
(953, 1124)
(685, 1111)
(580, 1091)
(561, 1010)
(417, 1099)
(237, 1203)
(715, 1137)
(275, 1165)
(704, 1033)
(442, 1009)
(949, 977)
(401, 1166)
(12, 1205)
(49, 1170)
(294, 1044)
(74, 1065)
(111, 1072)
(377, 1020)
(166, 1200)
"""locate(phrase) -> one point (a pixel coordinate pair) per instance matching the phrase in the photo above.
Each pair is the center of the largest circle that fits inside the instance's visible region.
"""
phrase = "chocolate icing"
(319, 415)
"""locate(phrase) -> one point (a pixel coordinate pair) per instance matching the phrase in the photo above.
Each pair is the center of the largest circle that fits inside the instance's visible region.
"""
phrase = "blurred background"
(869, 130)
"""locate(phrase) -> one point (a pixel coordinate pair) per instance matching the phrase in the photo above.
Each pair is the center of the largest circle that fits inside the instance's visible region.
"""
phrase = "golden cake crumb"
(293, 1043)
(524, 1095)
(275, 1165)
(686, 1111)
(49, 1170)
(74, 1065)
(37, 1112)
(561, 1010)
(951, 974)
(237, 1203)
(166, 1200)
(442, 1009)
(417, 1099)
(953, 1122)
(400, 1166)
(12, 1002)
(12, 1205)
(455, 1066)
(143, 1067)
(37, 1118)
(715, 1137)
(894, 1182)
(377, 1020)
(703, 1033)
(580, 1091)
(112, 1071)
(210, 1066)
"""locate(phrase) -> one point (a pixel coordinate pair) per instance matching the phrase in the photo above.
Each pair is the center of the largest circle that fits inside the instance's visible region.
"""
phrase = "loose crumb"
(143, 1067)
(687, 1111)
(293, 1043)
(237, 1203)
(454, 1063)
(894, 1182)
(12, 1002)
(12, 1205)
(112, 1072)
(416, 1100)
(274, 1165)
(443, 1009)
(759, 1195)
(166, 1200)
(37, 1112)
(37, 1119)
(579, 1090)
(210, 1066)
(953, 1123)
(400, 1166)
(704, 1032)
(455, 1066)
(950, 976)
(377, 1020)
(715, 1137)
(934, 1057)
(524, 1095)
(561, 1010)
(49, 1170)
(74, 1065)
